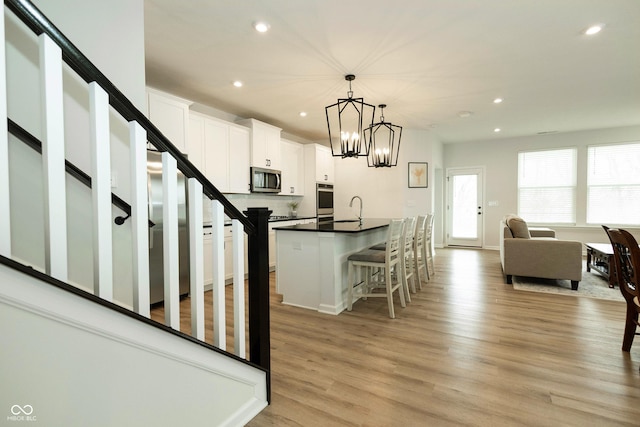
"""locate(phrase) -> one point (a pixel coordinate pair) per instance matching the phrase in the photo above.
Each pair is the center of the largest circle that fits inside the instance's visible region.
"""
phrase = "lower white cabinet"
(207, 254)
(228, 256)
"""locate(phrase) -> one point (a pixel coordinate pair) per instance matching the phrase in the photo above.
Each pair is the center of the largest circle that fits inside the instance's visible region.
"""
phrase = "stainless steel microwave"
(265, 180)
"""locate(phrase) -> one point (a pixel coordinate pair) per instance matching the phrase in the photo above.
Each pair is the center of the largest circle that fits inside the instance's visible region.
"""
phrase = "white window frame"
(623, 191)
(567, 189)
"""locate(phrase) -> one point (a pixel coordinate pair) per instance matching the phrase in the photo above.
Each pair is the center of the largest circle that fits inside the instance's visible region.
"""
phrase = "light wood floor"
(469, 350)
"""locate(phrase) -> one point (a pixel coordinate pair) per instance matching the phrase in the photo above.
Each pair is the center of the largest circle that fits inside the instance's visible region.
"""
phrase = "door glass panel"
(464, 207)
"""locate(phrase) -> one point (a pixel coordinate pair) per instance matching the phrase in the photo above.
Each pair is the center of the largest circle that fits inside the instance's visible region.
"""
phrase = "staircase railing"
(56, 48)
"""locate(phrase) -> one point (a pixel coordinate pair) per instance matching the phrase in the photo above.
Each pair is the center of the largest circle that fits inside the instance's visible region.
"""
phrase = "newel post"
(259, 324)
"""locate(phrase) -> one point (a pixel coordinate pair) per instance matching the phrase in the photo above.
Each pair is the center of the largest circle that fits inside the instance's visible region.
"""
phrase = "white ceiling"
(427, 60)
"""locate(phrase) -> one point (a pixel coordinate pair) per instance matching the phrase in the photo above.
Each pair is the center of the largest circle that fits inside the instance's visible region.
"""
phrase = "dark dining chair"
(626, 261)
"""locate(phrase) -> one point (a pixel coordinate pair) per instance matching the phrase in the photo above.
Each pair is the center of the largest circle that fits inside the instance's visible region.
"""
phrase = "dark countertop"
(227, 223)
(289, 218)
(340, 226)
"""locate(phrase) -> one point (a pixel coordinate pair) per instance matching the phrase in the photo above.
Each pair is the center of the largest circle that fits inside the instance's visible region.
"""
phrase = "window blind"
(547, 186)
(613, 184)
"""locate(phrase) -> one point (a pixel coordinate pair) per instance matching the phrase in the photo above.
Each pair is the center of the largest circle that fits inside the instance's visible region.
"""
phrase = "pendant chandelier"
(347, 120)
(384, 139)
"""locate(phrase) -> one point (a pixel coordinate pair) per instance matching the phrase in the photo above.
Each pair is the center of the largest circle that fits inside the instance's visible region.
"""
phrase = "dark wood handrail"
(33, 142)
(31, 16)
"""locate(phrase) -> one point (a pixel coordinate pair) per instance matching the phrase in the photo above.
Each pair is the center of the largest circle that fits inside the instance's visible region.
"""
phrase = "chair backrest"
(408, 234)
(626, 259)
(428, 227)
(419, 236)
(393, 241)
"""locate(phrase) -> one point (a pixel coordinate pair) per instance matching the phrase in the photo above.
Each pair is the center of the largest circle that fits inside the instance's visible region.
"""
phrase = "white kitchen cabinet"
(221, 151)
(207, 255)
(216, 153)
(195, 142)
(318, 164)
(239, 155)
(228, 253)
(324, 164)
(292, 168)
(265, 144)
(170, 115)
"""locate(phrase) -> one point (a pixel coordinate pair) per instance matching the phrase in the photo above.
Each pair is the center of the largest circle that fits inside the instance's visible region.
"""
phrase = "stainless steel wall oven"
(324, 202)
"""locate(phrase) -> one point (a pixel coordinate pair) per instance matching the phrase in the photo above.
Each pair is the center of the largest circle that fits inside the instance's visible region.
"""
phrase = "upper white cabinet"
(292, 168)
(239, 155)
(221, 151)
(170, 115)
(319, 162)
(265, 144)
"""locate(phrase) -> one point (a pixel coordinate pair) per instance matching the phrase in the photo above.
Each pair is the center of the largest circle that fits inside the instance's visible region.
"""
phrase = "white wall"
(500, 159)
(384, 191)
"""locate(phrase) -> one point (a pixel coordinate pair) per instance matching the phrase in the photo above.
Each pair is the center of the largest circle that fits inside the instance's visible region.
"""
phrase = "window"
(613, 184)
(547, 186)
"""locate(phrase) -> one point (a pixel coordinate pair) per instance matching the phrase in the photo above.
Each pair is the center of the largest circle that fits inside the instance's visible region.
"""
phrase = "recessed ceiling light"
(497, 100)
(261, 26)
(465, 114)
(594, 29)
(237, 83)
(497, 130)
(303, 114)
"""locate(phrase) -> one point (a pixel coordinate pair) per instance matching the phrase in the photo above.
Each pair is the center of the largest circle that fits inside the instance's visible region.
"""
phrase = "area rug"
(592, 285)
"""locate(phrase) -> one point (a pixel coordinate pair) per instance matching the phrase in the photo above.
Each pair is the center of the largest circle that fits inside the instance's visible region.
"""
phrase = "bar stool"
(407, 256)
(386, 263)
(428, 245)
(418, 250)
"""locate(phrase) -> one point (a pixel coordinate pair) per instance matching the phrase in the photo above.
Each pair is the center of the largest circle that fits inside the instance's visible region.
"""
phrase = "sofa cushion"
(518, 227)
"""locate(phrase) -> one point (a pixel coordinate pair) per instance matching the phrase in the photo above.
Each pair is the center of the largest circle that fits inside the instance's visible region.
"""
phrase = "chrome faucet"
(351, 205)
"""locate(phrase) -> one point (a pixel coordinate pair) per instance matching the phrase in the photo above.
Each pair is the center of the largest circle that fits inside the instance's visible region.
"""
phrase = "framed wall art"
(418, 177)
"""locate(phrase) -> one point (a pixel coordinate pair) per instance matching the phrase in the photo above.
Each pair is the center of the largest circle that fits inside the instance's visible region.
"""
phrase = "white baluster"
(238, 289)
(170, 245)
(139, 218)
(196, 264)
(101, 192)
(219, 321)
(5, 210)
(55, 207)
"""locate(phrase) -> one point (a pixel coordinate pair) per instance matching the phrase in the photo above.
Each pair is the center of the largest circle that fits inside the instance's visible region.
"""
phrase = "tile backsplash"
(278, 204)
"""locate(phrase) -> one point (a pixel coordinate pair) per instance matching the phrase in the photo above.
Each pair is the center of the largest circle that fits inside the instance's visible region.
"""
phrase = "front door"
(464, 207)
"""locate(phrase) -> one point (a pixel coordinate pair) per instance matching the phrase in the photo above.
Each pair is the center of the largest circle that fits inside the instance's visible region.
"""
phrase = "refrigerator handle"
(150, 209)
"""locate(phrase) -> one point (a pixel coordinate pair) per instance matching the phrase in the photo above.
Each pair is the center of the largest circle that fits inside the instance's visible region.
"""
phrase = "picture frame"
(418, 175)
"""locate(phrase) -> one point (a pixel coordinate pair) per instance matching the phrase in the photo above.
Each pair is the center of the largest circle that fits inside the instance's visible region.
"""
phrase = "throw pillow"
(518, 227)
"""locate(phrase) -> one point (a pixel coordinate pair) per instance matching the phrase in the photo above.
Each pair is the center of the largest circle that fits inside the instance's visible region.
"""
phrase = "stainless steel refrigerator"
(156, 271)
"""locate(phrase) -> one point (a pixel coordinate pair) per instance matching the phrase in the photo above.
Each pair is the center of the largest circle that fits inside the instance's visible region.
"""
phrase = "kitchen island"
(311, 260)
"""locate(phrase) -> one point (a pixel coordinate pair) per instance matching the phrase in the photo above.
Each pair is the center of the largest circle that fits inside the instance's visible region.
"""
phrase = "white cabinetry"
(318, 164)
(292, 168)
(207, 255)
(170, 115)
(239, 155)
(324, 164)
(228, 256)
(216, 153)
(221, 151)
(265, 144)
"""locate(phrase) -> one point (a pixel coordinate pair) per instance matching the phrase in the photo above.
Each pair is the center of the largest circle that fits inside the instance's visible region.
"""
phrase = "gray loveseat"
(535, 252)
